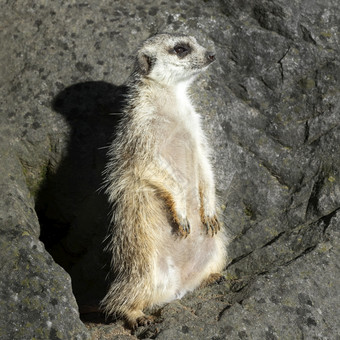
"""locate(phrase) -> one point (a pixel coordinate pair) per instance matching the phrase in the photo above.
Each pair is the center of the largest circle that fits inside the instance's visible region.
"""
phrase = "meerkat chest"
(181, 135)
(182, 122)
(189, 118)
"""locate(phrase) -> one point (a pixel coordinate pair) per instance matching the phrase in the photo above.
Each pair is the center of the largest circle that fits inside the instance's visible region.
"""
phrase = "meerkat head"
(172, 59)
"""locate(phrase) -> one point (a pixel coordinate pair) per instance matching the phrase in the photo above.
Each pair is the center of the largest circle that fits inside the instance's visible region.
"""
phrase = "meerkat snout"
(211, 56)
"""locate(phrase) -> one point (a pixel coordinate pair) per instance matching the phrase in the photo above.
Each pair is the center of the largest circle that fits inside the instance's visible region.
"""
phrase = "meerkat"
(165, 236)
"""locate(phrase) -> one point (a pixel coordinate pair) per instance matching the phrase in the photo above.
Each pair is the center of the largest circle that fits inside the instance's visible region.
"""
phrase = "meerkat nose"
(211, 56)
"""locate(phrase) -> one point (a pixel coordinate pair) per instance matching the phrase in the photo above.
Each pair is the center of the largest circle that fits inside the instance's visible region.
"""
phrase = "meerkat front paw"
(179, 219)
(211, 224)
(183, 226)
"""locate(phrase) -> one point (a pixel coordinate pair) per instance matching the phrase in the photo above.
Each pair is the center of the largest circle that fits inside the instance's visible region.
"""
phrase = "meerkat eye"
(182, 50)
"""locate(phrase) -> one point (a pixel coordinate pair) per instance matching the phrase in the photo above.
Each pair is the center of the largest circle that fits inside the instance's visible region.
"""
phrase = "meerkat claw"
(212, 223)
(184, 227)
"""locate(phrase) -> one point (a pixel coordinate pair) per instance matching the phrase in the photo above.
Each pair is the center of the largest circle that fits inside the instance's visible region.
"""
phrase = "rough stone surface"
(36, 300)
(271, 107)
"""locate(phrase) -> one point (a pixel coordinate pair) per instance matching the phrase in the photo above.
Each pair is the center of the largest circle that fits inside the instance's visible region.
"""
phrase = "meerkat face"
(172, 59)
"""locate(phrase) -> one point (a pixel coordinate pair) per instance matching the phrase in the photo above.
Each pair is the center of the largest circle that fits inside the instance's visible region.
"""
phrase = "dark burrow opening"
(73, 212)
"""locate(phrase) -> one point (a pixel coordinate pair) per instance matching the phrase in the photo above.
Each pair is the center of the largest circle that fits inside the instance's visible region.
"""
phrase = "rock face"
(271, 107)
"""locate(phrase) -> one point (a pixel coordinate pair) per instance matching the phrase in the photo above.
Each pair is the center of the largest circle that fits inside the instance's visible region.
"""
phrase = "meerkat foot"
(212, 278)
(143, 320)
(211, 224)
(132, 318)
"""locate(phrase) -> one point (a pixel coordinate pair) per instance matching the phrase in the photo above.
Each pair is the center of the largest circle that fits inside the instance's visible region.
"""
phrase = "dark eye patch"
(181, 50)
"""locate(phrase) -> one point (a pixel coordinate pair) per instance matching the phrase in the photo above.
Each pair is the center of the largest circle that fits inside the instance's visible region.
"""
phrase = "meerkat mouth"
(202, 65)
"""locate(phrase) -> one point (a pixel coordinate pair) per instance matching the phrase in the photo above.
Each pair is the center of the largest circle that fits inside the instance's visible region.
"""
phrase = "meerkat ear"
(144, 62)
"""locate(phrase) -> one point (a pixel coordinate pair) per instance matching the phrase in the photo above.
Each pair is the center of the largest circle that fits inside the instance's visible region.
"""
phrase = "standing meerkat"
(165, 236)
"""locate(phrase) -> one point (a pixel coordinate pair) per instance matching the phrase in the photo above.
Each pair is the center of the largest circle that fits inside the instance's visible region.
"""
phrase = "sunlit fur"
(159, 181)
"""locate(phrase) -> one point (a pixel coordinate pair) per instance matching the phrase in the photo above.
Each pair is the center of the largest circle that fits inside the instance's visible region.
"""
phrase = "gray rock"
(271, 107)
(36, 295)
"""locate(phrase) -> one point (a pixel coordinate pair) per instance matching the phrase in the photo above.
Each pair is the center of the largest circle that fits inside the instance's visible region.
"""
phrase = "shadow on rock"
(73, 212)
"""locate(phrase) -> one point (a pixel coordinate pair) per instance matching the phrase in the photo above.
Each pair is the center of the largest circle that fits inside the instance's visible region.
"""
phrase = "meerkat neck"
(181, 92)
(179, 89)
(183, 86)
